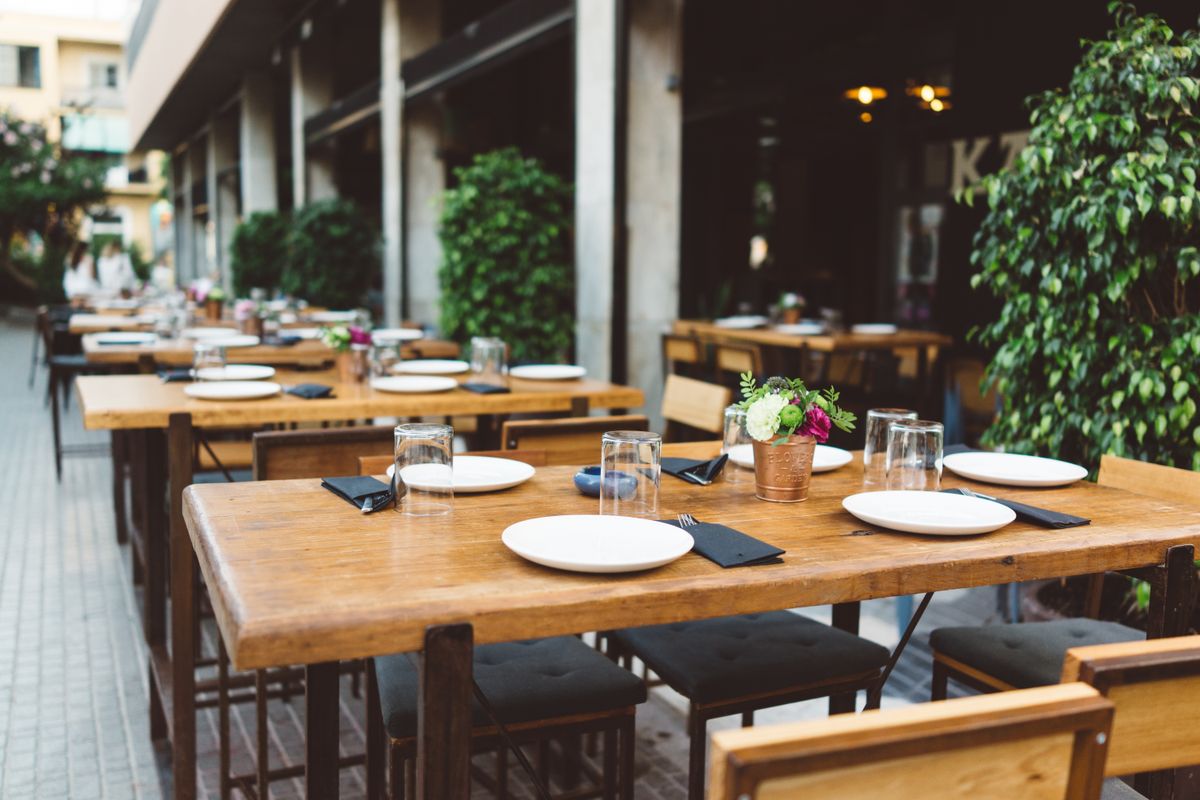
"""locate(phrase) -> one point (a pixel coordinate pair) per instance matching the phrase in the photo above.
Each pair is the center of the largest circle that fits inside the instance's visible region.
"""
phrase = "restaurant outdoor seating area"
(441, 426)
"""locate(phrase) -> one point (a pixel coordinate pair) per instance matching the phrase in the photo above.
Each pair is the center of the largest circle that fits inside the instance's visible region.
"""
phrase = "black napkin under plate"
(310, 391)
(954, 449)
(694, 470)
(175, 375)
(485, 388)
(1038, 516)
(729, 548)
(358, 489)
(281, 341)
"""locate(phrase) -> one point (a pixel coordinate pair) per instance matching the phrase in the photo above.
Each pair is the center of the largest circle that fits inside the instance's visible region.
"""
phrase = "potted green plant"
(333, 254)
(506, 268)
(1092, 243)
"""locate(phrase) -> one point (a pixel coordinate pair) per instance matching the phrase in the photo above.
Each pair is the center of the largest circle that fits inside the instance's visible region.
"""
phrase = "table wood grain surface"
(117, 402)
(180, 352)
(826, 342)
(297, 575)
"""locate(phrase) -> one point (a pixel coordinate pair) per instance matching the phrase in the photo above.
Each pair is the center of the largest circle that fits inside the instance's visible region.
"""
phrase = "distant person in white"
(115, 270)
(79, 278)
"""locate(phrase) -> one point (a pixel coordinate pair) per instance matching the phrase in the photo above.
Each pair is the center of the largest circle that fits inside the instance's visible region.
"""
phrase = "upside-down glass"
(630, 464)
(489, 360)
(736, 436)
(914, 455)
(424, 473)
(385, 355)
(875, 448)
(206, 355)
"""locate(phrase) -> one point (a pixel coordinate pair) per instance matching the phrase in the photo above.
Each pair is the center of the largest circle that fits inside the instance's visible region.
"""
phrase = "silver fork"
(687, 521)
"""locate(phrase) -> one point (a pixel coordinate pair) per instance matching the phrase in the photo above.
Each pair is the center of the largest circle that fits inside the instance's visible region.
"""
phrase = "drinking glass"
(206, 355)
(385, 355)
(914, 455)
(875, 449)
(424, 473)
(630, 464)
(736, 436)
(489, 360)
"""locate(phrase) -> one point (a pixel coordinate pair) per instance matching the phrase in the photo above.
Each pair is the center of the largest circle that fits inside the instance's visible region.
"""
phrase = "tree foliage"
(1091, 241)
(259, 251)
(506, 256)
(334, 254)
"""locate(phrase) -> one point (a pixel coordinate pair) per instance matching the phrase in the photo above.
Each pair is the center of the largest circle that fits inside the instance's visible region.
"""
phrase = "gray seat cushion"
(216, 476)
(523, 681)
(720, 659)
(1117, 789)
(1026, 654)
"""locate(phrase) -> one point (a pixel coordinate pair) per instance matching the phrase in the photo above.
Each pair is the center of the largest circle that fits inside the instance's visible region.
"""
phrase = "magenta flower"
(817, 424)
(359, 336)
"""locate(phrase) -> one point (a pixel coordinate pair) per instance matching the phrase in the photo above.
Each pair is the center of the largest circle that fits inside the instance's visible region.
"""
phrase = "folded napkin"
(173, 375)
(1038, 516)
(694, 470)
(729, 548)
(310, 391)
(281, 341)
(362, 491)
(484, 388)
(953, 449)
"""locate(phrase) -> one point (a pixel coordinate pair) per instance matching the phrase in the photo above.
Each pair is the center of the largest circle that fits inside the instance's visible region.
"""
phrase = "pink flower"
(817, 424)
(359, 336)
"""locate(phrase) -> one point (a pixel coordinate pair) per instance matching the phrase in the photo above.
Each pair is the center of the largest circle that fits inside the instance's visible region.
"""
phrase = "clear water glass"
(424, 469)
(736, 436)
(875, 448)
(206, 355)
(630, 467)
(385, 355)
(914, 455)
(489, 360)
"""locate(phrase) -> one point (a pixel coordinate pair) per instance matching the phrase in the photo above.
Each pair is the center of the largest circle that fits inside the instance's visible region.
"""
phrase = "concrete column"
(181, 192)
(204, 168)
(596, 32)
(256, 145)
(653, 175)
(223, 135)
(391, 126)
(299, 169)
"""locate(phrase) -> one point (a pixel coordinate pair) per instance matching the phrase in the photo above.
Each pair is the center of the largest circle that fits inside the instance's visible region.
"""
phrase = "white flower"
(762, 418)
(10, 138)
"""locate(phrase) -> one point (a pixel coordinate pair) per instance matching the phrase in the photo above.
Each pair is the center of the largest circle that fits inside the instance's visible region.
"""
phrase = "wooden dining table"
(161, 427)
(109, 321)
(298, 576)
(180, 352)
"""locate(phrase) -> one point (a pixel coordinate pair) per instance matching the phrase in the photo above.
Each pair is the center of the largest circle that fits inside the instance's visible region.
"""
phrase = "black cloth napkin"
(281, 341)
(1038, 516)
(729, 548)
(358, 489)
(311, 391)
(694, 470)
(174, 375)
(485, 388)
(953, 449)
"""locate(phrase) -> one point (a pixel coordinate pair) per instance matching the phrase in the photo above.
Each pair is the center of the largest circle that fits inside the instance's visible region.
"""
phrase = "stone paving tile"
(73, 683)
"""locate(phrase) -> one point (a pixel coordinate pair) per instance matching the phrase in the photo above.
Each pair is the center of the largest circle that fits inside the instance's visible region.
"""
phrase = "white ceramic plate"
(396, 334)
(129, 339)
(801, 329)
(232, 390)
(742, 322)
(301, 333)
(874, 329)
(587, 543)
(548, 372)
(413, 383)
(331, 316)
(236, 372)
(825, 459)
(474, 474)
(929, 512)
(1010, 469)
(432, 366)
(238, 340)
(208, 333)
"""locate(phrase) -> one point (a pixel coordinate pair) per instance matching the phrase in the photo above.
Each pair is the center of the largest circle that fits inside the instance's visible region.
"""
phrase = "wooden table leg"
(580, 407)
(444, 714)
(845, 617)
(321, 730)
(183, 596)
(118, 474)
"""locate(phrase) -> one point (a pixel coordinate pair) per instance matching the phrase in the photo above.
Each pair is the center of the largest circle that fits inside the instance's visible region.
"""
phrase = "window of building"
(103, 75)
(20, 66)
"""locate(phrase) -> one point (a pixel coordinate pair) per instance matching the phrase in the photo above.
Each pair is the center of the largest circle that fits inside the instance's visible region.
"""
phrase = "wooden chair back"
(1034, 744)
(1153, 685)
(328, 452)
(1153, 480)
(377, 465)
(570, 440)
(677, 349)
(694, 403)
(738, 358)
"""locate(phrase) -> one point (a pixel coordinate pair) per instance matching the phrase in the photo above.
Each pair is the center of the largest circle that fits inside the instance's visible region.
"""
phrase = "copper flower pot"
(353, 365)
(782, 471)
(213, 309)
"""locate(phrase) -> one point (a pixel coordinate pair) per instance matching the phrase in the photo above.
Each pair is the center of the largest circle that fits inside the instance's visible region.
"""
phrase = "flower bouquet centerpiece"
(352, 344)
(248, 315)
(214, 302)
(786, 420)
(791, 307)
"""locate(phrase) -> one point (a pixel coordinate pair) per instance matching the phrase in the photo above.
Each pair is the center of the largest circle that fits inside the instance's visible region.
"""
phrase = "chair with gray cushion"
(737, 665)
(539, 690)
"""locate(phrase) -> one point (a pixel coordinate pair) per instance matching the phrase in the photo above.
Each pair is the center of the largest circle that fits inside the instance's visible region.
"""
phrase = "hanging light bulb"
(936, 105)
(865, 117)
(864, 95)
(927, 93)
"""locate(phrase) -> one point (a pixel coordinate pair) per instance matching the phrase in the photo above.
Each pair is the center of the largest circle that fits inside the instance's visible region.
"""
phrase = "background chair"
(694, 409)
(734, 359)
(684, 355)
(1039, 743)
(282, 455)
(570, 440)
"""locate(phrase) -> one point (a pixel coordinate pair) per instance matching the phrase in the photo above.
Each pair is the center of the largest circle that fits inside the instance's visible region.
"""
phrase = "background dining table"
(161, 427)
(180, 352)
(298, 576)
